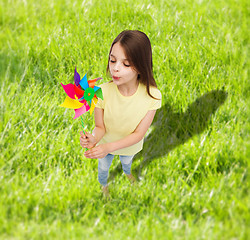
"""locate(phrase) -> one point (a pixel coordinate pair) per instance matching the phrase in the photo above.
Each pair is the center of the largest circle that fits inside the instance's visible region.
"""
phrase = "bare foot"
(105, 191)
(131, 178)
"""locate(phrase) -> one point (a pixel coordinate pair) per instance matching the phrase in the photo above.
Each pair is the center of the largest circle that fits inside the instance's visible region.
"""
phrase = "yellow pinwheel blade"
(71, 103)
(93, 103)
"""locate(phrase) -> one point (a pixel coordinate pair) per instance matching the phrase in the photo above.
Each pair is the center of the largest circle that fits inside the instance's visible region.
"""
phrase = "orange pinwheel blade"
(92, 82)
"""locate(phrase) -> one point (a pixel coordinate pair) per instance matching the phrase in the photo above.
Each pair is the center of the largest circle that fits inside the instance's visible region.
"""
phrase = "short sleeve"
(100, 103)
(155, 103)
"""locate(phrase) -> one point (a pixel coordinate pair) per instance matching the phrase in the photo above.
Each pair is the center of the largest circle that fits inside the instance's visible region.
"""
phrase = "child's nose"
(117, 66)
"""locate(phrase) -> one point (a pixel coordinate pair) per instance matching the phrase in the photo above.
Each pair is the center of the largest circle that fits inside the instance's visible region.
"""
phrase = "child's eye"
(126, 65)
(113, 61)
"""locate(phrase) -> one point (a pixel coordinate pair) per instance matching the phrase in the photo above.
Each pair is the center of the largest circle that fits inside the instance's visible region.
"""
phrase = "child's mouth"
(116, 78)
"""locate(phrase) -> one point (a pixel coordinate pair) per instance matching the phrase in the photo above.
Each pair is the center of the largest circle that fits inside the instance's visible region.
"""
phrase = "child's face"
(120, 69)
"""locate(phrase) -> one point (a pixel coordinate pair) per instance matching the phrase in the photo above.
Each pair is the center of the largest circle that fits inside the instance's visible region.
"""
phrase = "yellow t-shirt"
(122, 114)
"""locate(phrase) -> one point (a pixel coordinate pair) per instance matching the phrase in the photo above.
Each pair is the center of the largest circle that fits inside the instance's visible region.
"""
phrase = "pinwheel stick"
(82, 125)
(83, 128)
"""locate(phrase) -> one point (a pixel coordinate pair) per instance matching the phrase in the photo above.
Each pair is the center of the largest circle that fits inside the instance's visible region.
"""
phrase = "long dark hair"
(137, 48)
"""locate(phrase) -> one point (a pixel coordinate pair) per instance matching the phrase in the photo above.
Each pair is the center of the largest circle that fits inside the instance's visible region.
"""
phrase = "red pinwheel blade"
(79, 92)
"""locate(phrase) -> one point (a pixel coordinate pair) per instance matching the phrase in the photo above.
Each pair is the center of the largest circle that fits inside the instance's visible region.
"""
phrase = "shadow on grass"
(172, 129)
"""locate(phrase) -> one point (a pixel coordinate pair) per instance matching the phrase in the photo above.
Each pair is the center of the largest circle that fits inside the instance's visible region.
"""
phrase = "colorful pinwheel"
(82, 96)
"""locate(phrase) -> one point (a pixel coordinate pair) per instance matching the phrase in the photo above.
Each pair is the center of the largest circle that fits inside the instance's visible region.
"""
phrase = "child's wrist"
(95, 140)
(109, 147)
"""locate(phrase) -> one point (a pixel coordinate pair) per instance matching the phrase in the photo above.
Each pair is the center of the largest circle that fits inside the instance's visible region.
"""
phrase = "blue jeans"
(105, 163)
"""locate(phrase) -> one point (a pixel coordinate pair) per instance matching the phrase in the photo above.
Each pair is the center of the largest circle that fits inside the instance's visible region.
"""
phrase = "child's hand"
(97, 152)
(87, 140)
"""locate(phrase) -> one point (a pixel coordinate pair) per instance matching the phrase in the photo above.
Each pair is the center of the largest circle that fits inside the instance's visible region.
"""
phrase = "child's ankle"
(105, 191)
(131, 178)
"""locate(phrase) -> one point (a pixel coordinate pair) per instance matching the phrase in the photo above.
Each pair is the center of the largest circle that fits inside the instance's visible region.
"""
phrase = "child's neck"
(128, 89)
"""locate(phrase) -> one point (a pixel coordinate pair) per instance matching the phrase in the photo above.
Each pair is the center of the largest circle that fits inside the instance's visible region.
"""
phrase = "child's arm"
(99, 129)
(90, 140)
(136, 136)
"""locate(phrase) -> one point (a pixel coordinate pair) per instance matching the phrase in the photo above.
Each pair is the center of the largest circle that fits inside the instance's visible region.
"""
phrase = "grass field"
(193, 173)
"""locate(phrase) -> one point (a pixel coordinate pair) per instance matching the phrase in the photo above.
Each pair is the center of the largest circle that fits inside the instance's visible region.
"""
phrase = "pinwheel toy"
(82, 96)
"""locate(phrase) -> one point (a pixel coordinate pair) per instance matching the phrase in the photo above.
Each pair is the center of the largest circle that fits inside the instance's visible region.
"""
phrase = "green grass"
(194, 170)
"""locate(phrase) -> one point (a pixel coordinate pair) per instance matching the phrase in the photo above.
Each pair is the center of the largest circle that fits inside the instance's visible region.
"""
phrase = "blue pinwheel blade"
(96, 88)
(80, 99)
(84, 82)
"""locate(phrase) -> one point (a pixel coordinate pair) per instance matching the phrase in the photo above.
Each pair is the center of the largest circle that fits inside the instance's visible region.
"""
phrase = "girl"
(129, 106)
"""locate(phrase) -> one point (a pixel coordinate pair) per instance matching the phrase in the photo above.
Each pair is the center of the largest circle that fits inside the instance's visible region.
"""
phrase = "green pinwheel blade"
(98, 93)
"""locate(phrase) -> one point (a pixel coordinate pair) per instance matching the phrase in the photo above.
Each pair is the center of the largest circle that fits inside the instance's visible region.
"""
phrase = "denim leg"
(103, 169)
(126, 163)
